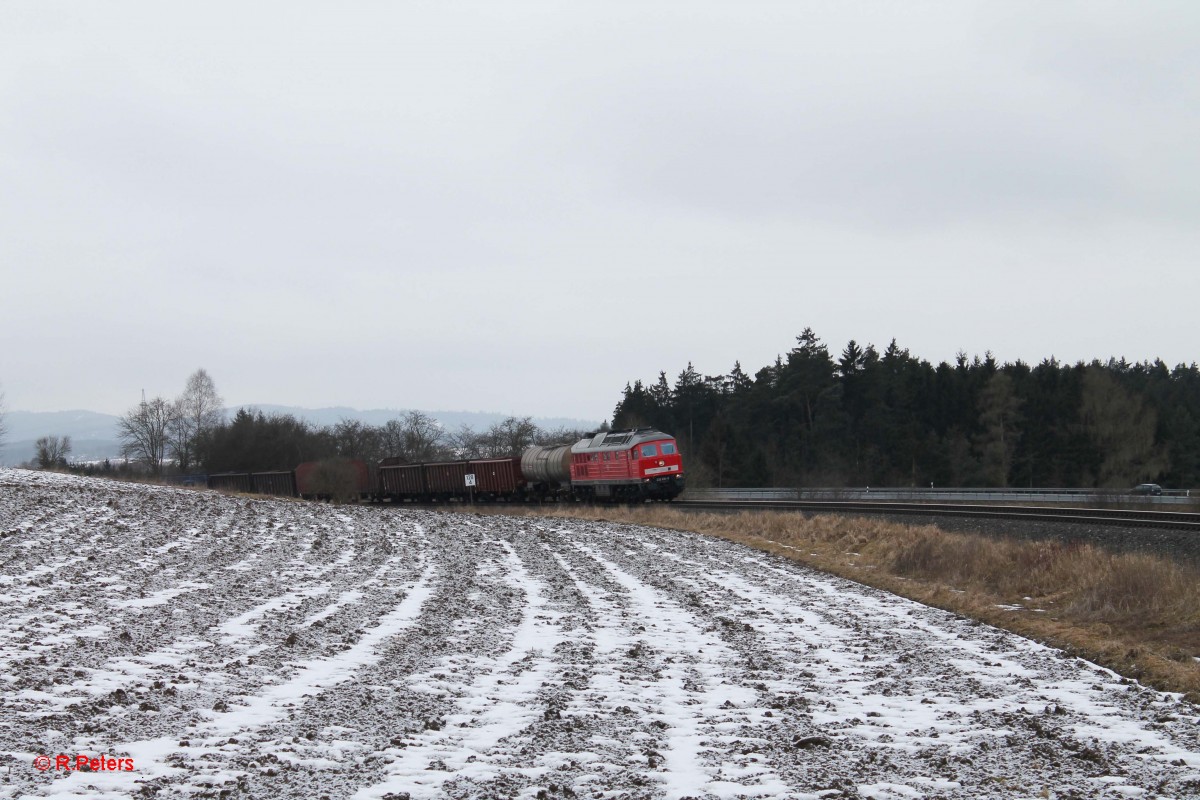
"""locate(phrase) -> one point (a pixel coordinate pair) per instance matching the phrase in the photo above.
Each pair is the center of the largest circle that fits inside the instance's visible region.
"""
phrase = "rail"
(1090, 497)
(1132, 518)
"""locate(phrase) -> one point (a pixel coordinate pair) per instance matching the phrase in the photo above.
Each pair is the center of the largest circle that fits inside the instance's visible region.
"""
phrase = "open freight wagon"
(484, 479)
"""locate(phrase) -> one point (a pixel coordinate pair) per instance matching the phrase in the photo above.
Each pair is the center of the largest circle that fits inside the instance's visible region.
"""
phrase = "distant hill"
(94, 435)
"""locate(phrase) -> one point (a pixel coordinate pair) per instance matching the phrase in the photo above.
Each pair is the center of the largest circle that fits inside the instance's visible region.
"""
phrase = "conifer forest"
(866, 418)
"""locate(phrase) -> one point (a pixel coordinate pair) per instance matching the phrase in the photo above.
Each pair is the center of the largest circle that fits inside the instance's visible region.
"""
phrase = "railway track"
(1173, 520)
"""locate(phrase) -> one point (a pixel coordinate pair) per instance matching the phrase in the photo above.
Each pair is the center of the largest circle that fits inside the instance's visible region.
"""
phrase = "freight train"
(625, 466)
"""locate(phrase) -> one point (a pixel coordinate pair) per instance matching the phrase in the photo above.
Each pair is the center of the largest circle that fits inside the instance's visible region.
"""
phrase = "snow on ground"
(260, 648)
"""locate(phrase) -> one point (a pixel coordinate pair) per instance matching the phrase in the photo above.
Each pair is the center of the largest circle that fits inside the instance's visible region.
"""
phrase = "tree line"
(192, 434)
(867, 418)
(252, 441)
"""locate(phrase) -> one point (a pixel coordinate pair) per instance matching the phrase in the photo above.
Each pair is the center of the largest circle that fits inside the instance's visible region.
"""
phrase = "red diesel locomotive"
(627, 466)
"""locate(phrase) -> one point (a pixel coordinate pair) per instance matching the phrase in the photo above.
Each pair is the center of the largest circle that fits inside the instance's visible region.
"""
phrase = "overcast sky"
(518, 207)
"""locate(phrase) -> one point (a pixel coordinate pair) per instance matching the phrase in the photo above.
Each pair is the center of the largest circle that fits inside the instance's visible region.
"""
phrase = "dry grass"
(1138, 615)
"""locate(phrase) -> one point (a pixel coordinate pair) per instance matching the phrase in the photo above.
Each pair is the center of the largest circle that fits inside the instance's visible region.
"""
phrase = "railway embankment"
(1175, 544)
(1173, 533)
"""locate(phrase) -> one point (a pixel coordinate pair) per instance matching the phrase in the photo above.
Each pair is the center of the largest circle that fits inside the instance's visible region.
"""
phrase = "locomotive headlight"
(662, 463)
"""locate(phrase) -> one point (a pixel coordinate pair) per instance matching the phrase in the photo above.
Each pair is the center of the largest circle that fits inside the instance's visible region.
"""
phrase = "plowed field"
(259, 648)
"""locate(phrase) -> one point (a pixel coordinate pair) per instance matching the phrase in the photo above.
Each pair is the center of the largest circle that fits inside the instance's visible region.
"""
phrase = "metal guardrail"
(912, 495)
(719, 495)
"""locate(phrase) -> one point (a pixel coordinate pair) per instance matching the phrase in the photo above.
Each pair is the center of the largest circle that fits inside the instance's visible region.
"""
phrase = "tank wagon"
(547, 470)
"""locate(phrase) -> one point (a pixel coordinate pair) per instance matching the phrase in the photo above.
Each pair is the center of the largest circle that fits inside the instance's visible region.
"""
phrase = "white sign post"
(470, 478)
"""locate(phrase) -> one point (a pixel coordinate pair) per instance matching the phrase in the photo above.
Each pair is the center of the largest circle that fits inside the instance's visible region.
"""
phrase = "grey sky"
(519, 207)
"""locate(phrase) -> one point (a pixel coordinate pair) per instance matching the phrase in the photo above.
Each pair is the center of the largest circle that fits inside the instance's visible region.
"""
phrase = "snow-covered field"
(260, 648)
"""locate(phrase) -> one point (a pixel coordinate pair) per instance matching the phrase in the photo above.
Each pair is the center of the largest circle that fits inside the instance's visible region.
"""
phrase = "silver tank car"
(547, 464)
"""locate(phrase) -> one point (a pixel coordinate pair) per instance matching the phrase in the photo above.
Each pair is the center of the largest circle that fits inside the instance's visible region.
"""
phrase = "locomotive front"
(628, 466)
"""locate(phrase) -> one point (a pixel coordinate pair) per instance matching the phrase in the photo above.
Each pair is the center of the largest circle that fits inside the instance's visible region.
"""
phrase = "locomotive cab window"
(649, 450)
(668, 448)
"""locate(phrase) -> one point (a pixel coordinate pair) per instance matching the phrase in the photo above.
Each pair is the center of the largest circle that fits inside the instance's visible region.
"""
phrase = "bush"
(335, 479)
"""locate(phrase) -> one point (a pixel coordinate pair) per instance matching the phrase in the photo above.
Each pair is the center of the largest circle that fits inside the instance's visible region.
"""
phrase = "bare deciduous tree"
(52, 451)
(355, 439)
(510, 437)
(391, 439)
(560, 435)
(193, 413)
(414, 437)
(144, 432)
(466, 443)
(424, 439)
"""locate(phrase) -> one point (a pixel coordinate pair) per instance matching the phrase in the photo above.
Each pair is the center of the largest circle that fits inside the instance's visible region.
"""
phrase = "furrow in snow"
(242, 716)
(497, 704)
(692, 696)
